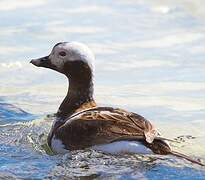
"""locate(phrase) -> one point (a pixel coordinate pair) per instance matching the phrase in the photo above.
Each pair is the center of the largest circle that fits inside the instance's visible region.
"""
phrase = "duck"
(80, 123)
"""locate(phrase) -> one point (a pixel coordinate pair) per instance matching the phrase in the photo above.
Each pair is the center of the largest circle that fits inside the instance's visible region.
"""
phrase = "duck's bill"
(43, 62)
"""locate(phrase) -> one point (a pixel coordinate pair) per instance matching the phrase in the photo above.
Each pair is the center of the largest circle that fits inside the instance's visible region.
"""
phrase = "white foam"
(10, 65)
(58, 146)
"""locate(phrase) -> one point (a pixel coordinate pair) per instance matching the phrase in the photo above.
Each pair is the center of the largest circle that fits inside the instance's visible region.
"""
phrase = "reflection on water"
(149, 59)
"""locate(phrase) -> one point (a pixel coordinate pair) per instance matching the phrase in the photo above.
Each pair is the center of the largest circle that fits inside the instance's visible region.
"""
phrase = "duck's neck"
(79, 96)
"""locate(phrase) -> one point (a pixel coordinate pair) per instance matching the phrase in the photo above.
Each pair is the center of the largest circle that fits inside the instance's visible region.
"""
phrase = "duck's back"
(104, 125)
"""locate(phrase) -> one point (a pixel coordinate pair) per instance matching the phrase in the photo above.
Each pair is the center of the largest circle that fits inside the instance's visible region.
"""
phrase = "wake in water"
(23, 147)
(10, 113)
(19, 127)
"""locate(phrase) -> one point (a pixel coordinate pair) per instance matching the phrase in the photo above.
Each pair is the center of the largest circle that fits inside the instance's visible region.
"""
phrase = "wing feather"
(104, 125)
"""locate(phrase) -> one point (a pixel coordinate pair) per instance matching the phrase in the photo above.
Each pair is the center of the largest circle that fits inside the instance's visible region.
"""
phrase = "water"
(149, 59)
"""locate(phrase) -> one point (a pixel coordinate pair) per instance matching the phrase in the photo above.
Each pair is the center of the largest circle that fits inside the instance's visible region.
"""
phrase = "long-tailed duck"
(80, 123)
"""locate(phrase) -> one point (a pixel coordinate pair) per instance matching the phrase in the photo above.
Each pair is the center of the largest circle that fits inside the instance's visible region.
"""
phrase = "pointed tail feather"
(160, 146)
(177, 154)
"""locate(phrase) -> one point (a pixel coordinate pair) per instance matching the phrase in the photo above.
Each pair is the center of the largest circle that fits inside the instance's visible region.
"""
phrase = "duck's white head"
(66, 57)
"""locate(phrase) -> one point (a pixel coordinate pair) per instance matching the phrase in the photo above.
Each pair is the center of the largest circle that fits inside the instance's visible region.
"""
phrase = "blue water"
(149, 59)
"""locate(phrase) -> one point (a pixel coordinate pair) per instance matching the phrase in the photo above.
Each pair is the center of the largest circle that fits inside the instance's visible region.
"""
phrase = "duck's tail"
(159, 146)
(187, 158)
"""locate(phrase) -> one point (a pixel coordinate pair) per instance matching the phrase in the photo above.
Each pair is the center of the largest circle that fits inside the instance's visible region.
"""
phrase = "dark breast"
(60, 120)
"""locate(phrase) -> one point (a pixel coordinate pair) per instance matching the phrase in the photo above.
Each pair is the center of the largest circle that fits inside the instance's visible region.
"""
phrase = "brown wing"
(104, 125)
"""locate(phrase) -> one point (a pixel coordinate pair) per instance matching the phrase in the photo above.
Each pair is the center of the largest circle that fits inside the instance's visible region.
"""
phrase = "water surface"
(149, 59)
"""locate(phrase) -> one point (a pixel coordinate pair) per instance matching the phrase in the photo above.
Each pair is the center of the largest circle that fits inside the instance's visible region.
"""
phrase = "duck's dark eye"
(62, 53)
